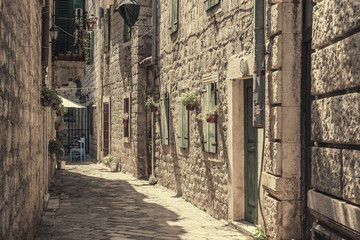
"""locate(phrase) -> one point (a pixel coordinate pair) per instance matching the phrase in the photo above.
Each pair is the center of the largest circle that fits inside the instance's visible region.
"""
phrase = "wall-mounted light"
(54, 33)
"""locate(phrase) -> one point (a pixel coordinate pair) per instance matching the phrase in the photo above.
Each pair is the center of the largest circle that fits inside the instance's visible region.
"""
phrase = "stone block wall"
(117, 76)
(199, 50)
(282, 156)
(25, 127)
(335, 110)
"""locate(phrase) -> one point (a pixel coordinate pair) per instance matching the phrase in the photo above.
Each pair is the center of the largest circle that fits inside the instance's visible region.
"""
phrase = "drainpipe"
(259, 75)
(259, 84)
(153, 179)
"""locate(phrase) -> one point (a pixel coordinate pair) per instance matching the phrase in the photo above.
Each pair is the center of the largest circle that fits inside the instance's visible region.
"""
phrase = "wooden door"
(251, 188)
(106, 129)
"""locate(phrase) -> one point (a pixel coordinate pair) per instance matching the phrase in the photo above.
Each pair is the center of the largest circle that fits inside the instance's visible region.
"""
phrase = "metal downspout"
(259, 85)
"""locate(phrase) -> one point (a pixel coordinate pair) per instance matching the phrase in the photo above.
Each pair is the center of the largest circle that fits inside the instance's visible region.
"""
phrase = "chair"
(79, 151)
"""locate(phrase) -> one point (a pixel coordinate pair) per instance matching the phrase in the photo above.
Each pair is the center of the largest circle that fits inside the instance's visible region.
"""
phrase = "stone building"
(25, 126)
(305, 156)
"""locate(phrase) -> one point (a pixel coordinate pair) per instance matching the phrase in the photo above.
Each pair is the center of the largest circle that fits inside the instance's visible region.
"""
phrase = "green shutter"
(183, 125)
(211, 3)
(90, 52)
(164, 108)
(209, 129)
(127, 32)
(78, 4)
(91, 118)
(174, 16)
(107, 31)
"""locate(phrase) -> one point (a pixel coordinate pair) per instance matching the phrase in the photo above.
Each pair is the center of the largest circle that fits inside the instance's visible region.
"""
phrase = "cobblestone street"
(93, 203)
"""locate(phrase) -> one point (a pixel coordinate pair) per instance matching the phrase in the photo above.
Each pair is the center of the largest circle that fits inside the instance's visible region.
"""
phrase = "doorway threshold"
(243, 227)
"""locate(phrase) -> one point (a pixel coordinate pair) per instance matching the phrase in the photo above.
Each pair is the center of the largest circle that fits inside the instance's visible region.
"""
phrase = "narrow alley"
(90, 202)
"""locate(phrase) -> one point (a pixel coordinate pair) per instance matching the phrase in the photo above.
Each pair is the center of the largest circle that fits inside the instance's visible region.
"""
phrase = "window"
(183, 134)
(174, 16)
(211, 3)
(90, 49)
(208, 100)
(164, 108)
(107, 31)
(126, 124)
(127, 32)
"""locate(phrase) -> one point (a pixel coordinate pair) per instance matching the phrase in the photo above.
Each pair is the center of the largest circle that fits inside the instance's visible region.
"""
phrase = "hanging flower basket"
(190, 107)
(154, 109)
(91, 25)
(212, 118)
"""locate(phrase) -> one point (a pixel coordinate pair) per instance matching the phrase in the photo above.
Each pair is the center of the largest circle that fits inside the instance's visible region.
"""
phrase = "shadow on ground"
(100, 208)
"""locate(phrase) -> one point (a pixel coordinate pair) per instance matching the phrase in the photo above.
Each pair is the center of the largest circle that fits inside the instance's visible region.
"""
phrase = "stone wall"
(282, 160)
(200, 49)
(25, 127)
(335, 110)
(118, 76)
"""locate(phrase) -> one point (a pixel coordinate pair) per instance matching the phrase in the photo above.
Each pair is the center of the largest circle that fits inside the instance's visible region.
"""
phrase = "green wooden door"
(251, 188)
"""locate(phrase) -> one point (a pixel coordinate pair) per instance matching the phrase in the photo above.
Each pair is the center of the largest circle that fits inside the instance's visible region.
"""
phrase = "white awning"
(70, 104)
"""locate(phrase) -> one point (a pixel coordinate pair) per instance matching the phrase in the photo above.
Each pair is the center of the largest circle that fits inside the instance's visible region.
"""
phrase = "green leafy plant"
(50, 97)
(124, 116)
(206, 114)
(109, 159)
(185, 197)
(60, 111)
(259, 233)
(189, 98)
(92, 18)
(150, 103)
(57, 148)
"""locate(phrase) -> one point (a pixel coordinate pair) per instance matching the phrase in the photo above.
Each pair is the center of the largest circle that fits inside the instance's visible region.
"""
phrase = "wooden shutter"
(127, 32)
(209, 129)
(183, 125)
(107, 31)
(174, 16)
(164, 108)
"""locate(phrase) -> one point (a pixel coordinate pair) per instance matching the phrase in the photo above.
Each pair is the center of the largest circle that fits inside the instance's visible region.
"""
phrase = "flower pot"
(61, 165)
(190, 108)
(212, 119)
(113, 166)
(125, 121)
(68, 56)
(154, 109)
(61, 56)
(57, 127)
(91, 25)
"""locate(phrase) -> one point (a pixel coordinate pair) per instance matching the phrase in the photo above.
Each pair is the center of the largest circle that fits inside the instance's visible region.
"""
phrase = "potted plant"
(68, 55)
(152, 105)
(91, 21)
(56, 147)
(124, 117)
(111, 162)
(58, 125)
(210, 115)
(189, 99)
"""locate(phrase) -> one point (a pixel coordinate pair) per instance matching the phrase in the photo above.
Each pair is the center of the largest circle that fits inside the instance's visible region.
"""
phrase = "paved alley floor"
(93, 203)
